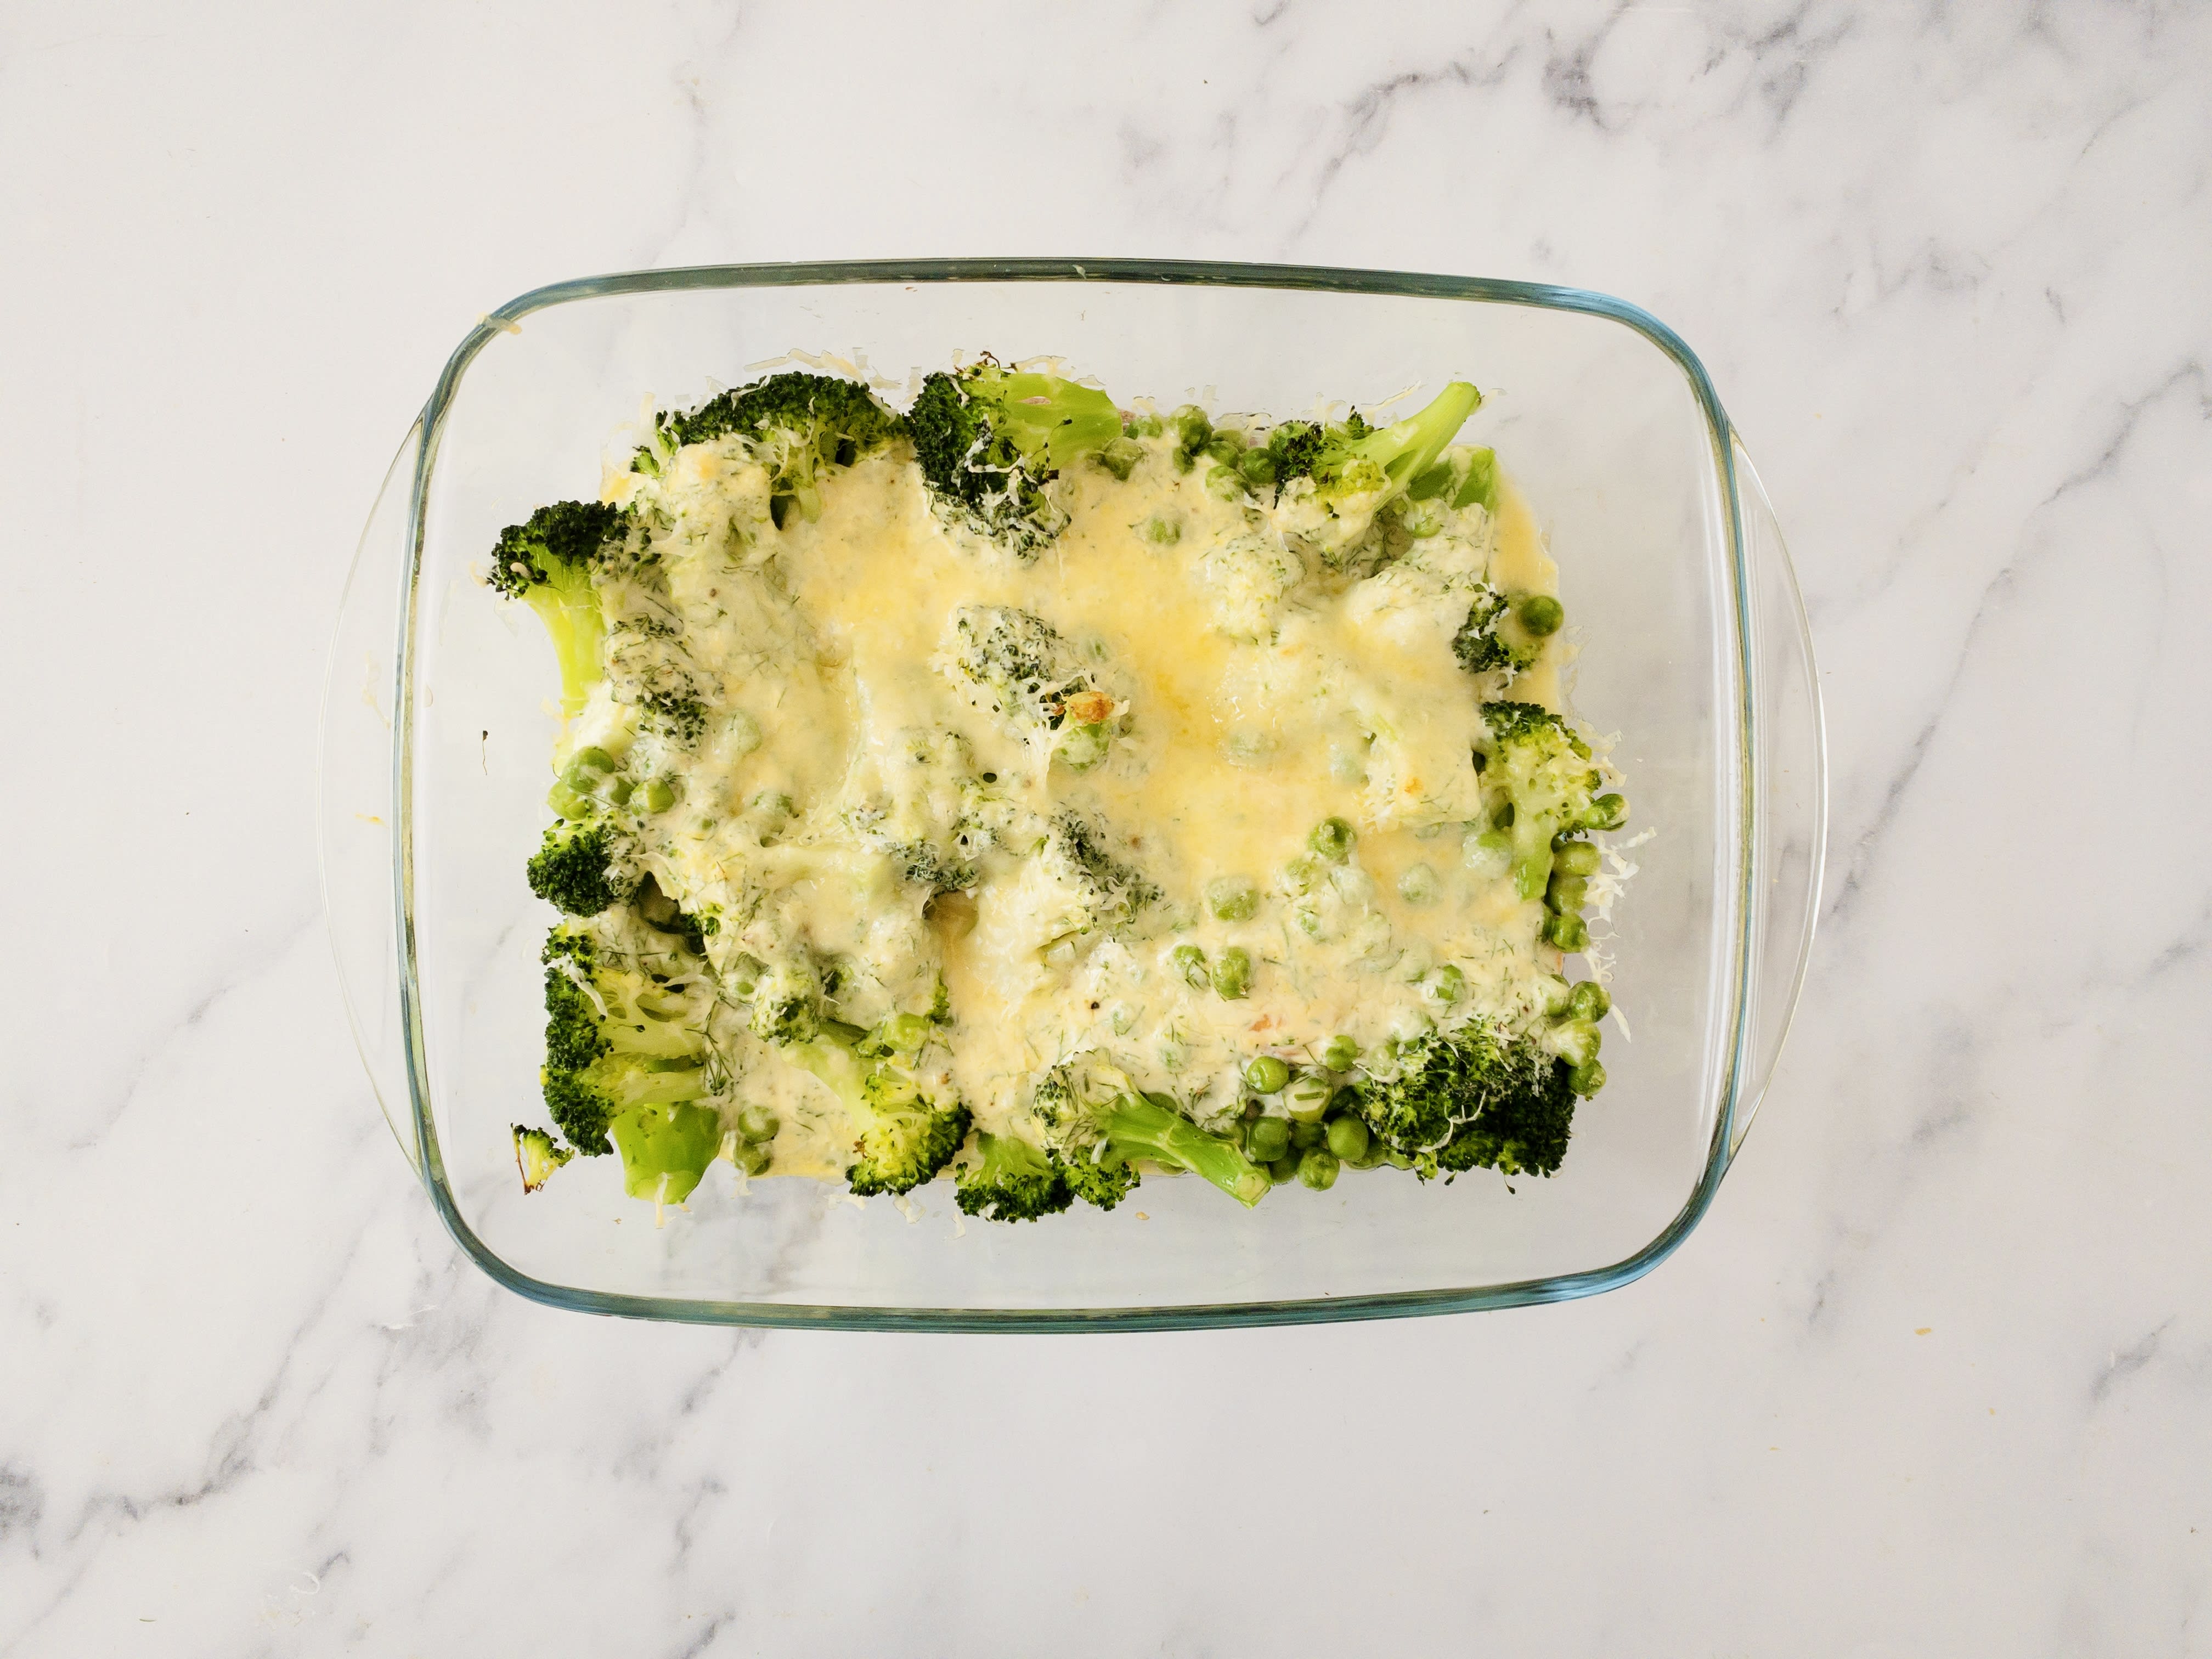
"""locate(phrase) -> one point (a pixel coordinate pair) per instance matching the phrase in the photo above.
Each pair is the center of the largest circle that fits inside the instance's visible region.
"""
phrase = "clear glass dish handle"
(354, 809)
(1790, 776)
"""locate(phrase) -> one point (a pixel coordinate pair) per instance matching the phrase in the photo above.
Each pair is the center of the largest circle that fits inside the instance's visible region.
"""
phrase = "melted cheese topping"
(1248, 691)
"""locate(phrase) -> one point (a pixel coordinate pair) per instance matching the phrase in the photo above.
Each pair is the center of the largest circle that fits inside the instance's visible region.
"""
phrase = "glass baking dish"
(437, 729)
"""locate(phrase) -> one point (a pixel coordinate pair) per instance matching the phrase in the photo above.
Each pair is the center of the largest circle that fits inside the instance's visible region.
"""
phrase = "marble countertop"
(1933, 1377)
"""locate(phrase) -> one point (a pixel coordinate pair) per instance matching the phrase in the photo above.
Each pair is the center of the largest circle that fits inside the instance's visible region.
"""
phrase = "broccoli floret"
(1016, 660)
(798, 426)
(1014, 1181)
(615, 1038)
(1097, 1174)
(989, 439)
(926, 865)
(783, 998)
(547, 561)
(1017, 665)
(1526, 1116)
(1490, 639)
(904, 1131)
(537, 1155)
(1503, 633)
(675, 714)
(1352, 461)
(578, 870)
(1098, 1139)
(1545, 770)
(1106, 893)
(1452, 1101)
(916, 815)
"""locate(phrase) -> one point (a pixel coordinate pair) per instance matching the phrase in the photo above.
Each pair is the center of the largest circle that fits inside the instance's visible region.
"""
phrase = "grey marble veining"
(1935, 1375)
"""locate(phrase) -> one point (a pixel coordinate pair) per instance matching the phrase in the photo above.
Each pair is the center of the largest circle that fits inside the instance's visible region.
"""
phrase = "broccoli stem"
(1043, 415)
(1532, 855)
(1138, 1127)
(570, 607)
(666, 1149)
(1409, 448)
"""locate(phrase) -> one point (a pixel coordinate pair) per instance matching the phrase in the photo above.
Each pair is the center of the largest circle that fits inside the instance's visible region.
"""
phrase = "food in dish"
(1045, 795)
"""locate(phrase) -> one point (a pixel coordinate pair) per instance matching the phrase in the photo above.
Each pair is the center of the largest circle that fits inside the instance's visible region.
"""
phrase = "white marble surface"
(1935, 1378)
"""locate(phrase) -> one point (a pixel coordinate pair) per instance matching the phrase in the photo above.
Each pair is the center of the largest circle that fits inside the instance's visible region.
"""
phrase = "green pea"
(567, 803)
(1339, 1053)
(1577, 1042)
(1082, 747)
(1232, 974)
(1193, 429)
(1266, 1138)
(1608, 812)
(753, 1158)
(1567, 894)
(1419, 884)
(1225, 483)
(1307, 1134)
(1447, 985)
(1226, 445)
(1423, 519)
(1541, 615)
(1558, 997)
(1586, 1079)
(1307, 1097)
(1333, 838)
(1576, 858)
(1258, 466)
(1284, 1169)
(775, 803)
(741, 732)
(1348, 1136)
(1161, 531)
(1589, 1001)
(659, 795)
(619, 789)
(1264, 1074)
(1119, 457)
(1233, 898)
(1190, 961)
(1317, 1169)
(1300, 874)
(758, 1123)
(1570, 933)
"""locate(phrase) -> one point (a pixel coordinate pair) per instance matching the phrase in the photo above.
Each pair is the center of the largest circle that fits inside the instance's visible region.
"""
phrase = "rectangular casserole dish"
(1695, 651)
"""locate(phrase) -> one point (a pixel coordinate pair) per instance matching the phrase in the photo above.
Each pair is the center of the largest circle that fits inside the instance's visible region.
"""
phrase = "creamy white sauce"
(1258, 692)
